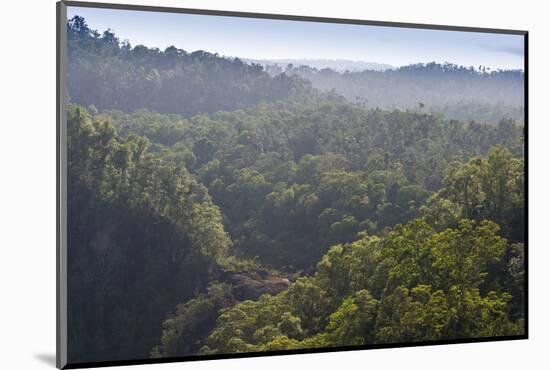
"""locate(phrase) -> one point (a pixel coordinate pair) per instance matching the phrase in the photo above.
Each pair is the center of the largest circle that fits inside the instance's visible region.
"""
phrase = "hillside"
(214, 208)
(457, 92)
(109, 74)
(275, 66)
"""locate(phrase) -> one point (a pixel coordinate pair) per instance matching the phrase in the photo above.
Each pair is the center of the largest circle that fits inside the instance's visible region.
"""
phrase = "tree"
(353, 322)
(489, 187)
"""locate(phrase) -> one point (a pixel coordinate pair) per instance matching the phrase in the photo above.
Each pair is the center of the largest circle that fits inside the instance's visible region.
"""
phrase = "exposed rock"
(251, 285)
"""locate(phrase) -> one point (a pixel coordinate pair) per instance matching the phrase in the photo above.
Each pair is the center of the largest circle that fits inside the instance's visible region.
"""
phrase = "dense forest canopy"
(111, 74)
(216, 208)
(459, 92)
(282, 169)
(340, 65)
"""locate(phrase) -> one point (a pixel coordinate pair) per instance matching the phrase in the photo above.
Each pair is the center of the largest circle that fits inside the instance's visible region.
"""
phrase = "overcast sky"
(283, 39)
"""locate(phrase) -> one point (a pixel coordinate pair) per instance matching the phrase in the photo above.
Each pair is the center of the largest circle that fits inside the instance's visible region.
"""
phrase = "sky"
(283, 39)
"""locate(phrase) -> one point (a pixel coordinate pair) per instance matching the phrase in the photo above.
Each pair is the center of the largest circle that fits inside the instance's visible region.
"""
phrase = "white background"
(27, 183)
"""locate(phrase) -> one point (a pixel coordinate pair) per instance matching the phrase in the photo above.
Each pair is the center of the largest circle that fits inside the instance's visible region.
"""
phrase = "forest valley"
(214, 207)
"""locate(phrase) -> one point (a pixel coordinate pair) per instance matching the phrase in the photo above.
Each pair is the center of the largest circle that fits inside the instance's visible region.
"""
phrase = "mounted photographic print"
(239, 184)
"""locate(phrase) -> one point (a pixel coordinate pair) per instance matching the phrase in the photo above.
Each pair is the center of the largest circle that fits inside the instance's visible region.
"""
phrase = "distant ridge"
(339, 65)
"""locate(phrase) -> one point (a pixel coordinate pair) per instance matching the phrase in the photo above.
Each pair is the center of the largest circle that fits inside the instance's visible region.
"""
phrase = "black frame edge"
(57, 142)
(289, 17)
(228, 356)
(61, 177)
(526, 180)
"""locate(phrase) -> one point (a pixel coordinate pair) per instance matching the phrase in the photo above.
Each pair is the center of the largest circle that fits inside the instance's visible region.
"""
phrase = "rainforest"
(219, 206)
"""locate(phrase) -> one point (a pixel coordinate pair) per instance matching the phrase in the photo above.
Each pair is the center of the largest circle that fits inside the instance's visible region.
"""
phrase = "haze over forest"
(338, 65)
(216, 205)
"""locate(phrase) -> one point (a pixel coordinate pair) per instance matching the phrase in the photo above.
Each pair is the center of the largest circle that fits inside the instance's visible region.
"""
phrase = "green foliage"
(489, 187)
(458, 92)
(284, 206)
(392, 226)
(426, 287)
(354, 320)
(288, 191)
(184, 329)
(143, 235)
(114, 75)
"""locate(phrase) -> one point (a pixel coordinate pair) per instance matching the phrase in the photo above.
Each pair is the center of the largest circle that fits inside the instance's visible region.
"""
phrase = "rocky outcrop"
(251, 285)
